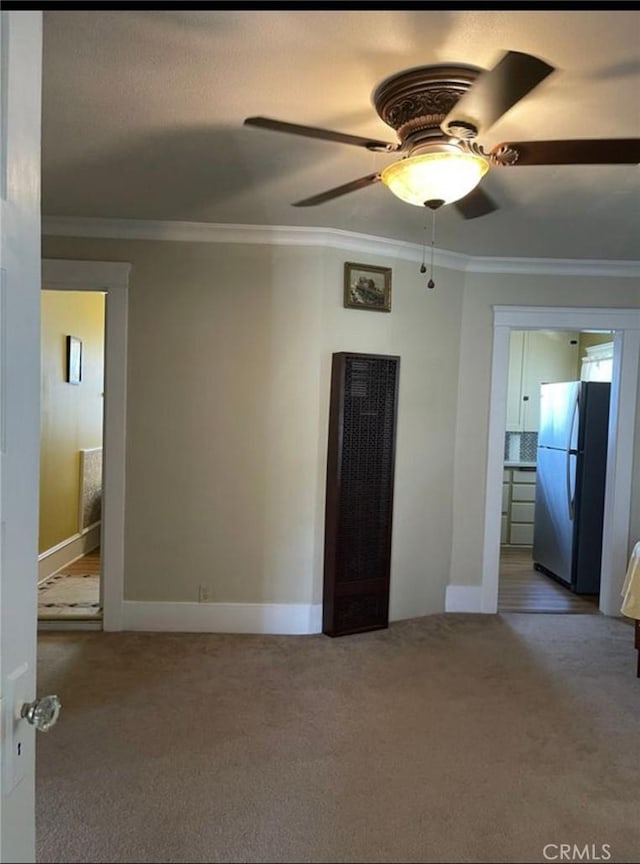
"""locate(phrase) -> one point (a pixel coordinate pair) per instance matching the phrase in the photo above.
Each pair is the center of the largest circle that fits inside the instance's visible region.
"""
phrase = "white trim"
(315, 618)
(272, 618)
(274, 235)
(624, 389)
(296, 235)
(62, 554)
(463, 598)
(112, 277)
(603, 351)
(616, 541)
(554, 266)
(557, 317)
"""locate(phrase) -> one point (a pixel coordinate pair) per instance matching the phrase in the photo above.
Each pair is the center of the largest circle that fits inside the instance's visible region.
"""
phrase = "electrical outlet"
(205, 594)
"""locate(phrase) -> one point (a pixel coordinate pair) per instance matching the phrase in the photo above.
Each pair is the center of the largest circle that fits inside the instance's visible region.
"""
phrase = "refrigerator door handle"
(571, 495)
(571, 501)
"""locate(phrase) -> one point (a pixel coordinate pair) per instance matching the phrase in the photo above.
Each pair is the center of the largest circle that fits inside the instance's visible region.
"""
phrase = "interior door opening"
(541, 534)
(71, 449)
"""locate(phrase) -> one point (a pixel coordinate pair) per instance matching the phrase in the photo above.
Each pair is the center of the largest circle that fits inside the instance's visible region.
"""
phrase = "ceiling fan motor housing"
(415, 102)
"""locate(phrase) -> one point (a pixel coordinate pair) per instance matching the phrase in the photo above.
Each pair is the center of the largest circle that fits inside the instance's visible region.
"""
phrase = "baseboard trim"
(65, 553)
(463, 598)
(285, 619)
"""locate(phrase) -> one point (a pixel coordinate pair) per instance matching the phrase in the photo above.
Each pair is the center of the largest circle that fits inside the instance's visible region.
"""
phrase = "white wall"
(482, 292)
(229, 361)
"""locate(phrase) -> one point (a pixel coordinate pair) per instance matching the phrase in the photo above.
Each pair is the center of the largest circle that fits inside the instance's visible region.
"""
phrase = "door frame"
(622, 415)
(112, 278)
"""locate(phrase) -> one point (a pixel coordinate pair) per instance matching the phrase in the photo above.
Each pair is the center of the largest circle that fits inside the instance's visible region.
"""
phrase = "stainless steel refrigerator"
(570, 479)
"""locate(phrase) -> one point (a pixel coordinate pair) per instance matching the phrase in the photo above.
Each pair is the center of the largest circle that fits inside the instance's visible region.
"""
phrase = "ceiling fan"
(438, 113)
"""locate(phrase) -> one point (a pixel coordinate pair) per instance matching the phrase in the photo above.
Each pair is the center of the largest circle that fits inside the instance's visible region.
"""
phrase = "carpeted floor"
(448, 738)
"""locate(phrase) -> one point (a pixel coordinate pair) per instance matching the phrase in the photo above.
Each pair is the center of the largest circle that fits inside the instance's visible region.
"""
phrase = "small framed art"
(74, 360)
(367, 287)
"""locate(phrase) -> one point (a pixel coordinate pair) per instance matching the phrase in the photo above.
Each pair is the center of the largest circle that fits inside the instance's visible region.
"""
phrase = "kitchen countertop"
(519, 464)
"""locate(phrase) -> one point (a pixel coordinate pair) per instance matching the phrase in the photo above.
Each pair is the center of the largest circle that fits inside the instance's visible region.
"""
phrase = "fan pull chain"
(431, 283)
(433, 205)
(423, 269)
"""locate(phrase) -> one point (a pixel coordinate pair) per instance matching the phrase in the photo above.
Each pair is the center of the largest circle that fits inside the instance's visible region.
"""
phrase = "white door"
(20, 88)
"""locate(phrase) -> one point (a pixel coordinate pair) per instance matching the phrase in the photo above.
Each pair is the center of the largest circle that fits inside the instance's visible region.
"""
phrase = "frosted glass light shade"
(446, 176)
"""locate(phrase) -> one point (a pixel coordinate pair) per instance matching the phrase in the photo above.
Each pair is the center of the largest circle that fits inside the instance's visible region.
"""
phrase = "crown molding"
(555, 266)
(293, 235)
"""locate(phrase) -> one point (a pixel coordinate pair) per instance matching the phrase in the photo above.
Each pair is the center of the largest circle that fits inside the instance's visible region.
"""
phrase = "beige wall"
(228, 384)
(424, 329)
(228, 387)
(482, 291)
(71, 415)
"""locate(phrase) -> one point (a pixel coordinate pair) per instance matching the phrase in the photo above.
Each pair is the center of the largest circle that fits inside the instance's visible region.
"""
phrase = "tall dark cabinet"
(359, 498)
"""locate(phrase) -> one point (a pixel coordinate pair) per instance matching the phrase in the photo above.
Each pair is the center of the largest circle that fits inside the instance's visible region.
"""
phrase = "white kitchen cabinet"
(518, 506)
(537, 357)
(522, 511)
(514, 382)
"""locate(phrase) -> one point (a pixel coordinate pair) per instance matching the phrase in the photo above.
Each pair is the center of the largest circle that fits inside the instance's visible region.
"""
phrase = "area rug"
(69, 595)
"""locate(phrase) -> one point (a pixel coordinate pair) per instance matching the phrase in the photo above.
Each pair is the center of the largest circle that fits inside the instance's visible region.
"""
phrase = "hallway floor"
(523, 589)
(73, 592)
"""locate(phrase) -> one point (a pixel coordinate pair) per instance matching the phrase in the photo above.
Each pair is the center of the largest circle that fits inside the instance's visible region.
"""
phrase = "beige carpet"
(448, 738)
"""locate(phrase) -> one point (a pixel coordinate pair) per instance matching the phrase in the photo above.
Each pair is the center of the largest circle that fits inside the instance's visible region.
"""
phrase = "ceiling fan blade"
(339, 190)
(612, 151)
(323, 134)
(496, 90)
(476, 203)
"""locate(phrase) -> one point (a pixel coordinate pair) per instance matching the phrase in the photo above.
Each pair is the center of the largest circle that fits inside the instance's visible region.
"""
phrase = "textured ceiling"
(143, 113)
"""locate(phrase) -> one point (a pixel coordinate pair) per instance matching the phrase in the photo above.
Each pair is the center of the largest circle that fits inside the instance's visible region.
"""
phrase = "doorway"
(71, 424)
(534, 492)
(625, 324)
(112, 279)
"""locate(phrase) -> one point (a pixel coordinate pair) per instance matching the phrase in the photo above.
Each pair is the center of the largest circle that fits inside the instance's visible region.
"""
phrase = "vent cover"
(359, 504)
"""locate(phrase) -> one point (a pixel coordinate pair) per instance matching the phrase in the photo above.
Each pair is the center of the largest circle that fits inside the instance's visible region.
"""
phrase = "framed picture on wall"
(74, 360)
(367, 287)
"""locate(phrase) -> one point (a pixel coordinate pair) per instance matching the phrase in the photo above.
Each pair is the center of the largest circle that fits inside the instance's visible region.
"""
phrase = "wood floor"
(523, 589)
(73, 592)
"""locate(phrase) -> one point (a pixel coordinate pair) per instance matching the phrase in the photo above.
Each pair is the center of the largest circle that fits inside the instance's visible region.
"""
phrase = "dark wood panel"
(359, 495)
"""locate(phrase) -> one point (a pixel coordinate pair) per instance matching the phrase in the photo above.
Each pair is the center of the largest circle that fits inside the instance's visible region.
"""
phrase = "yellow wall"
(71, 415)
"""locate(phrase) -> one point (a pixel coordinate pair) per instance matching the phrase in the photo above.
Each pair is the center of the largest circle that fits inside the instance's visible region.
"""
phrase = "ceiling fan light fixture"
(445, 174)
